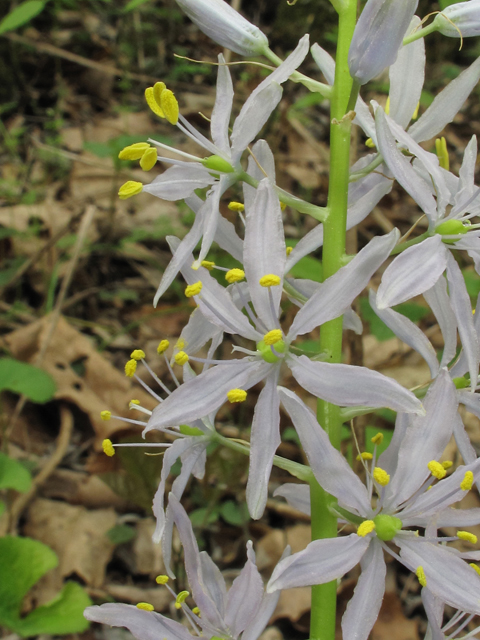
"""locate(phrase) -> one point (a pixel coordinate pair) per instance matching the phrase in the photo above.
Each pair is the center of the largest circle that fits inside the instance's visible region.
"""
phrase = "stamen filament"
(147, 388)
(155, 377)
(173, 150)
(170, 370)
(272, 307)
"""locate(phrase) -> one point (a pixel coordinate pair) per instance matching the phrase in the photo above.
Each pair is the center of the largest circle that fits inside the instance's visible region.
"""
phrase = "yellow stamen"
(158, 88)
(133, 404)
(415, 113)
(289, 250)
(161, 579)
(377, 439)
(283, 206)
(420, 573)
(365, 456)
(129, 189)
(369, 143)
(365, 528)
(436, 469)
(137, 354)
(234, 275)
(206, 264)
(270, 280)
(236, 206)
(467, 482)
(272, 337)
(107, 447)
(381, 476)
(105, 415)
(146, 606)
(182, 596)
(152, 103)
(149, 159)
(169, 106)
(196, 611)
(181, 358)
(466, 535)
(387, 106)
(193, 289)
(130, 368)
(134, 151)
(446, 464)
(237, 395)
(163, 346)
(474, 566)
(442, 153)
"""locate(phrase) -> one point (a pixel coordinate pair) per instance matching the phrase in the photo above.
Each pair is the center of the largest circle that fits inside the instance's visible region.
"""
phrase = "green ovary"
(267, 354)
(218, 164)
(387, 527)
(451, 228)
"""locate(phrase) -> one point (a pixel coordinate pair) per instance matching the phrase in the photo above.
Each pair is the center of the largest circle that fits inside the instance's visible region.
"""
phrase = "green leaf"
(13, 475)
(21, 15)
(446, 3)
(62, 615)
(233, 513)
(290, 435)
(24, 378)
(472, 282)
(308, 267)
(121, 533)
(379, 329)
(203, 516)
(133, 4)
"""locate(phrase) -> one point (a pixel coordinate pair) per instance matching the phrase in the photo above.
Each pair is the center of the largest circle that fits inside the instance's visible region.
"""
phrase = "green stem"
(421, 33)
(324, 523)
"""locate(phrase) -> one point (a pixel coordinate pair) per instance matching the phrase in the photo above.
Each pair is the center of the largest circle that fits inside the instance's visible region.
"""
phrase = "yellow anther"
(105, 415)
(442, 153)
(180, 599)
(236, 206)
(466, 535)
(270, 280)
(207, 264)
(415, 113)
(149, 159)
(436, 469)
(108, 448)
(152, 103)
(476, 567)
(158, 88)
(377, 439)
(181, 358)
(272, 337)
(370, 143)
(169, 106)
(137, 354)
(129, 189)
(387, 106)
(283, 206)
(193, 289)
(146, 606)
(364, 456)
(381, 476)
(237, 395)
(134, 151)
(365, 528)
(130, 368)
(467, 482)
(289, 250)
(420, 573)
(133, 404)
(196, 611)
(234, 275)
(180, 344)
(163, 346)
(446, 464)
(161, 579)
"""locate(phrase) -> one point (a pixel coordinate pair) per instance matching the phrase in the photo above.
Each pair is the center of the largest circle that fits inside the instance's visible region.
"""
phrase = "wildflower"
(225, 26)
(378, 36)
(403, 502)
(242, 612)
(264, 254)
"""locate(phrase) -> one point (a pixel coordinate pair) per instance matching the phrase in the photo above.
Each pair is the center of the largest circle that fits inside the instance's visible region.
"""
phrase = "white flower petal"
(222, 108)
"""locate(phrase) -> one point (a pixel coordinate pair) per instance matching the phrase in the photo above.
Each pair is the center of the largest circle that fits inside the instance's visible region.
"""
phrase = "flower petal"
(179, 182)
(222, 108)
(439, 302)
(328, 465)
(324, 62)
(297, 496)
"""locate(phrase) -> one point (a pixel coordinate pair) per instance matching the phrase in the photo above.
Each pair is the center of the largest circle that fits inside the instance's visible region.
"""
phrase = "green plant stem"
(324, 523)
(420, 33)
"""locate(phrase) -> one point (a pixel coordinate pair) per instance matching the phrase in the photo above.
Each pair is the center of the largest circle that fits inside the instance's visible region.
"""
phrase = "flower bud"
(378, 36)
(461, 19)
(225, 26)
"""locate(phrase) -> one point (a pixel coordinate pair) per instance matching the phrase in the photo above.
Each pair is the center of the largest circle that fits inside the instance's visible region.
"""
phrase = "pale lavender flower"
(401, 478)
(459, 20)
(225, 26)
(378, 36)
(241, 612)
(265, 257)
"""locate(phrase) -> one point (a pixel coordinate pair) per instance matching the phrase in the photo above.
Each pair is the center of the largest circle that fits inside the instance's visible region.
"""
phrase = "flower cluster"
(409, 489)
